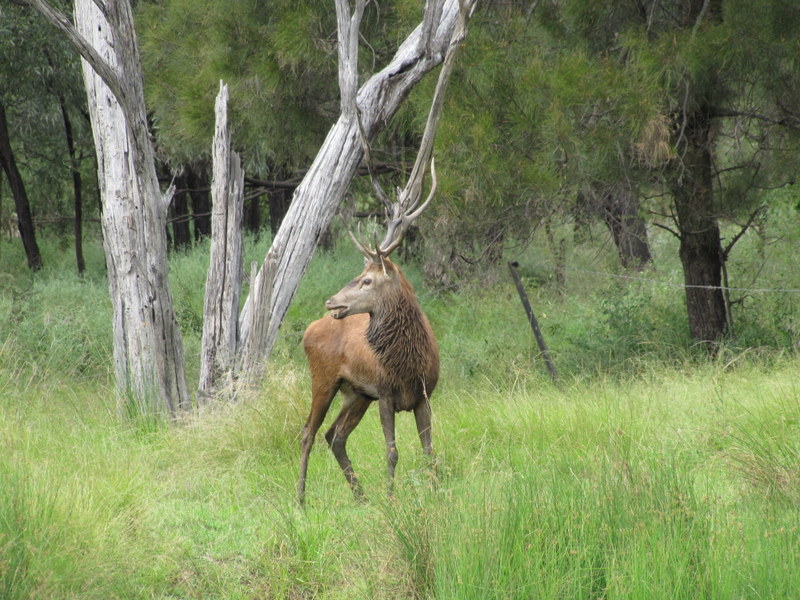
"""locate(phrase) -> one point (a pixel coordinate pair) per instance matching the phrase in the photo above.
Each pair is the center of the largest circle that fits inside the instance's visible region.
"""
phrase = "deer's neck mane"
(400, 336)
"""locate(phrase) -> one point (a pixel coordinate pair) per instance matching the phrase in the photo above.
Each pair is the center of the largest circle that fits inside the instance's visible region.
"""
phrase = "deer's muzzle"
(338, 311)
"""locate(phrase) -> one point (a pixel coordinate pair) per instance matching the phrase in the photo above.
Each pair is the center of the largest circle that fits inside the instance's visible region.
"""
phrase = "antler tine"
(403, 218)
(363, 248)
(394, 235)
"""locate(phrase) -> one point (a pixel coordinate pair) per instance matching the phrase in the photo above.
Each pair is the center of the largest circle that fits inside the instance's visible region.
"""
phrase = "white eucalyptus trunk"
(148, 352)
(256, 321)
(224, 280)
(324, 186)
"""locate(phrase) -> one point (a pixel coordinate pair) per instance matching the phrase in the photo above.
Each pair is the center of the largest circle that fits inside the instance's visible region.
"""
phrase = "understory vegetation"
(649, 470)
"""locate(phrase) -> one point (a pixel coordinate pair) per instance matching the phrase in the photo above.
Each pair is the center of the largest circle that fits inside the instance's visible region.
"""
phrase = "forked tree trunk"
(224, 281)
(148, 352)
(321, 191)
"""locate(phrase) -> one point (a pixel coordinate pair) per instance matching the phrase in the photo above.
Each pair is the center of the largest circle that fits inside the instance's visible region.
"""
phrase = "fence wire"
(683, 285)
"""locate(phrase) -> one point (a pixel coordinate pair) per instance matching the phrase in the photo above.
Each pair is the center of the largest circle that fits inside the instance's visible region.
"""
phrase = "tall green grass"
(647, 471)
(656, 487)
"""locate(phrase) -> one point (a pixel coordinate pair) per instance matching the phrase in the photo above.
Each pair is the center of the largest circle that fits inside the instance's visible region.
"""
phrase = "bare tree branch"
(699, 18)
(88, 53)
(348, 25)
(432, 16)
(408, 207)
(742, 231)
(788, 122)
(666, 228)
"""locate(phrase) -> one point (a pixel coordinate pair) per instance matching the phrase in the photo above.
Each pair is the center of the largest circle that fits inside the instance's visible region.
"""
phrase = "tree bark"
(148, 351)
(620, 209)
(700, 244)
(21, 204)
(224, 281)
(77, 187)
(322, 189)
(254, 347)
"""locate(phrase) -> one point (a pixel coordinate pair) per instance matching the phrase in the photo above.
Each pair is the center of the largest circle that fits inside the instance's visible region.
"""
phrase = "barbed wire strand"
(683, 285)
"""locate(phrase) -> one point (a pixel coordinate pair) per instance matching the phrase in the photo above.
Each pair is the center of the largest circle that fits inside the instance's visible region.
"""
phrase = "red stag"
(375, 345)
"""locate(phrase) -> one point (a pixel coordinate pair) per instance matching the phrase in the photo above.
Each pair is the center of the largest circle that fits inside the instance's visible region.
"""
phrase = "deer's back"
(338, 349)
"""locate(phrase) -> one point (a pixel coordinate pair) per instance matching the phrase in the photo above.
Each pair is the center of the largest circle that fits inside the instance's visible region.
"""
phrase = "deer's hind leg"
(321, 397)
(422, 416)
(354, 406)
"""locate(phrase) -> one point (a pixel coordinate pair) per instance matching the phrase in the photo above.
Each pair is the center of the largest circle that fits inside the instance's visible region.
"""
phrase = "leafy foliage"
(280, 63)
(39, 74)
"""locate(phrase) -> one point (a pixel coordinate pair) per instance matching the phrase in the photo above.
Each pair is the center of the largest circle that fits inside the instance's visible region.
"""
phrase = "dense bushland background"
(651, 470)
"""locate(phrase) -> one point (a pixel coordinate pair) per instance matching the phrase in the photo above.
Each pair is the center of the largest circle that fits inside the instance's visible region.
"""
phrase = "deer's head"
(380, 277)
(376, 282)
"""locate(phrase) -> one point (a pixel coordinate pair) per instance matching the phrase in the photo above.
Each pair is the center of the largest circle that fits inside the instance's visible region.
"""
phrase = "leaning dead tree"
(148, 351)
(368, 109)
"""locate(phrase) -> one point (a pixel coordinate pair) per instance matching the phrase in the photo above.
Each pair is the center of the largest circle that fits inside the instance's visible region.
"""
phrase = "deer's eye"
(366, 281)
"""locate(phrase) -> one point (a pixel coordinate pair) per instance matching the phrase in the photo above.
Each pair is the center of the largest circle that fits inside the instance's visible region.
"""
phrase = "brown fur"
(383, 349)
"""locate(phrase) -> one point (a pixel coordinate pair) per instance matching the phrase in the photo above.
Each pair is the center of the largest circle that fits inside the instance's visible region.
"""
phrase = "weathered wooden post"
(512, 266)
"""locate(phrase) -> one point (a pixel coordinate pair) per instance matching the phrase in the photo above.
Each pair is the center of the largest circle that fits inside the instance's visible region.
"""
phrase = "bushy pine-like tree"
(694, 101)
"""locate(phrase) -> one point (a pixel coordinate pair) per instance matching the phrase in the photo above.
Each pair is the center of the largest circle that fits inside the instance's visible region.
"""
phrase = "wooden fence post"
(532, 320)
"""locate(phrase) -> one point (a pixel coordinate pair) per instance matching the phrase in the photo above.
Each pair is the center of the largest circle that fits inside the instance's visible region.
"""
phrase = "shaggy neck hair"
(399, 334)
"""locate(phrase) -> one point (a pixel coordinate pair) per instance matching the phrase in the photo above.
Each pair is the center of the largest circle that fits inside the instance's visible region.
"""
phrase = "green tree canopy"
(38, 72)
(279, 60)
(692, 103)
